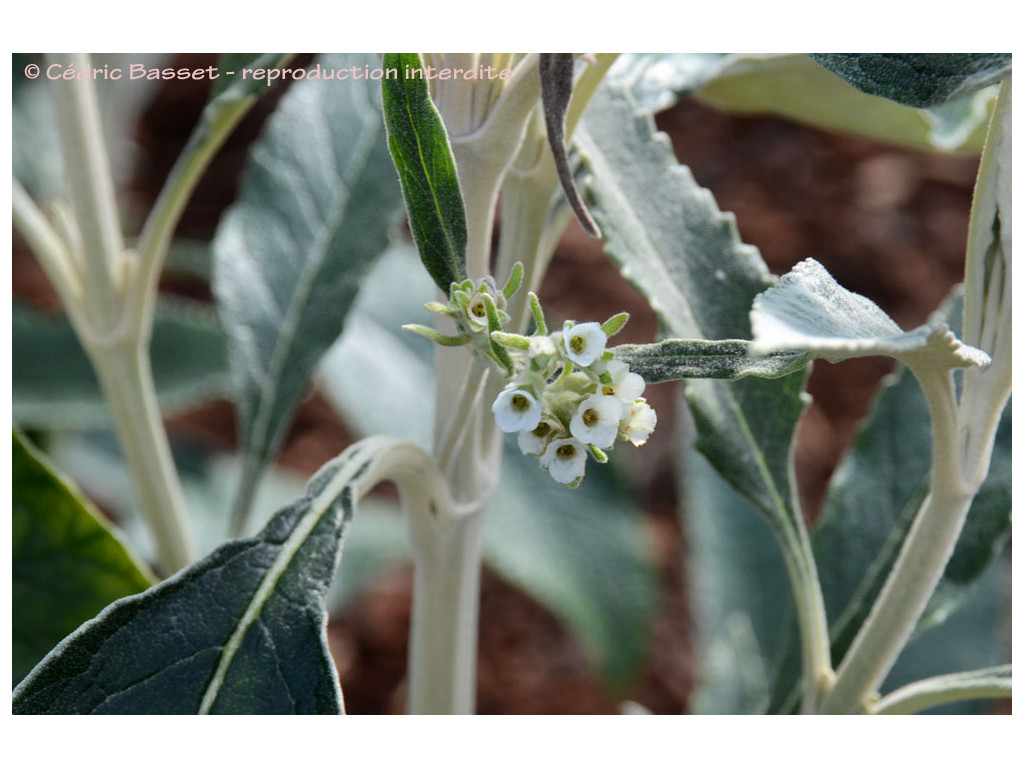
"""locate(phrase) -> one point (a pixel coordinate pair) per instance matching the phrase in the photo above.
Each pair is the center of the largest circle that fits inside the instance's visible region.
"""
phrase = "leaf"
(871, 502)
(657, 80)
(918, 79)
(681, 252)
(54, 386)
(67, 562)
(423, 157)
(741, 598)
(556, 72)
(317, 204)
(808, 310)
(674, 359)
(792, 86)
(242, 631)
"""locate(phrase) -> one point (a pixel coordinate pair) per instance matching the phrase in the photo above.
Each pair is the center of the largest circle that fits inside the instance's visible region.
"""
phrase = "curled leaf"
(808, 310)
(555, 92)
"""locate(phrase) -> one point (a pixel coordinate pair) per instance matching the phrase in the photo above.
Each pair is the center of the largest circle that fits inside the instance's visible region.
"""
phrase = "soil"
(887, 222)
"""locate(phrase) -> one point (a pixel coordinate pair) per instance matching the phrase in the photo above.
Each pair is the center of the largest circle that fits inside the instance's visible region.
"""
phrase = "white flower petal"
(565, 459)
(639, 423)
(626, 385)
(584, 343)
(516, 410)
(597, 420)
(536, 440)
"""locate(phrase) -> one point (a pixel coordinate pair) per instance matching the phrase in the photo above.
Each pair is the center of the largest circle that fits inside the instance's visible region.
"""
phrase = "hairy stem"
(919, 565)
(127, 381)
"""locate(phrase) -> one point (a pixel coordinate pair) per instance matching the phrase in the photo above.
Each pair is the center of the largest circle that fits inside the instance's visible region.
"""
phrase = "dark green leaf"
(918, 79)
(674, 244)
(317, 205)
(67, 562)
(674, 359)
(242, 631)
(54, 386)
(430, 183)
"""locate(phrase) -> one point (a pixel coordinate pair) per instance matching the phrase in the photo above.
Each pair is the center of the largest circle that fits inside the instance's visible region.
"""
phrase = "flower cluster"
(568, 397)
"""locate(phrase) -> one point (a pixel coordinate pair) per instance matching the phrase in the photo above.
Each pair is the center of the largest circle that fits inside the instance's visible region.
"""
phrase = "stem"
(47, 245)
(815, 647)
(127, 381)
(919, 566)
(991, 683)
(203, 144)
(91, 189)
(442, 651)
(116, 342)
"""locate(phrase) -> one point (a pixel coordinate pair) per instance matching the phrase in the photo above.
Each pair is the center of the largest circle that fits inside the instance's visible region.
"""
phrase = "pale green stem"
(116, 343)
(91, 189)
(443, 637)
(155, 239)
(992, 683)
(47, 245)
(918, 567)
(127, 381)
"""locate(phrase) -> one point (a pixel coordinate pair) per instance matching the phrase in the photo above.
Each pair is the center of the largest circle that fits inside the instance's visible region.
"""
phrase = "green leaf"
(871, 502)
(742, 604)
(918, 79)
(674, 359)
(242, 631)
(681, 252)
(67, 562)
(423, 157)
(317, 204)
(794, 87)
(54, 386)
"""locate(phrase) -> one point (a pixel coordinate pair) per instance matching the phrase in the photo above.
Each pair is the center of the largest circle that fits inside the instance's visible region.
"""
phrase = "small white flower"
(516, 410)
(536, 440)
(541, 346)
(625, 385)
(597, 420)
(638, 423)
(476, 309)
(584, 343)
(565, 459)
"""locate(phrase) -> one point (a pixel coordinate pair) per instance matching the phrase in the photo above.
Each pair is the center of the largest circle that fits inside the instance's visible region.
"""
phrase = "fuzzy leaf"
(67, 562)
(675, 359)
(317, 203)
(918, 79)
(430, 183)
(54, 386)
(808, 310)
(681, 252)
(231, 86)
(242, 631)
